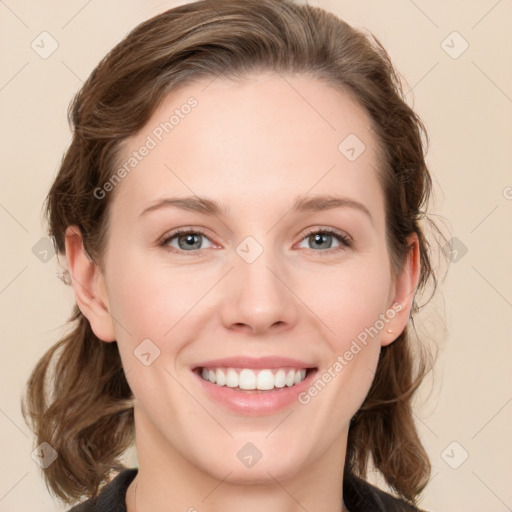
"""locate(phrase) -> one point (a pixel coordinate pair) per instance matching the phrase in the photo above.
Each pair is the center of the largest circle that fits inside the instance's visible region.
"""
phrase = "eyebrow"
(213, 208)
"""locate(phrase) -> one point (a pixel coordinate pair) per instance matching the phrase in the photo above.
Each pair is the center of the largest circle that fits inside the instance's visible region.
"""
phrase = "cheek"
(348, 299)
(350, 304)
(150, 301)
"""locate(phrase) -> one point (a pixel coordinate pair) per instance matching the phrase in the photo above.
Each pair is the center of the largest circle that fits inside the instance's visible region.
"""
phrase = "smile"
(252, 380)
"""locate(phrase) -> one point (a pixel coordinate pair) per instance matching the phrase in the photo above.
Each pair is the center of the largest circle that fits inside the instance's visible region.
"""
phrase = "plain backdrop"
(455, 59)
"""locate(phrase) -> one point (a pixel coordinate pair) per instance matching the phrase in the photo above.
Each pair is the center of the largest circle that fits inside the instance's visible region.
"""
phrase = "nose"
(257, 297)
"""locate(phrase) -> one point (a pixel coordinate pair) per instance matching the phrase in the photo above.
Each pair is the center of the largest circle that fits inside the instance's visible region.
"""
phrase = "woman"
(240, 212)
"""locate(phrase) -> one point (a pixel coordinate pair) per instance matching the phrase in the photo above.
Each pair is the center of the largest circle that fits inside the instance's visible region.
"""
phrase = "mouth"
(250, 386)
(250, 380)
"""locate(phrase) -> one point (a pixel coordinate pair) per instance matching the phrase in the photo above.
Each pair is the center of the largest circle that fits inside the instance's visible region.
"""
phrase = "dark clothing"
(358, 495)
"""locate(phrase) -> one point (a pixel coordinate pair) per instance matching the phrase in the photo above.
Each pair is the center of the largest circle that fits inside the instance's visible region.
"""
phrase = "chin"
(244, 471)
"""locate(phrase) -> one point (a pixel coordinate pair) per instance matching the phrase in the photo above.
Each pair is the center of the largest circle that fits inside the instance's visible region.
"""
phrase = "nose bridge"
(257, 271)
(257, 295)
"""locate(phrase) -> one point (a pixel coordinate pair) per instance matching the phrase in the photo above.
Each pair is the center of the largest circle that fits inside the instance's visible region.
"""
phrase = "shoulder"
(111, 498)
(361, 496)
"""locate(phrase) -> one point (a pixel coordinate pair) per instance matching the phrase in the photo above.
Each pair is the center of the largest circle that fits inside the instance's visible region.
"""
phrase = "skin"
(256, 146)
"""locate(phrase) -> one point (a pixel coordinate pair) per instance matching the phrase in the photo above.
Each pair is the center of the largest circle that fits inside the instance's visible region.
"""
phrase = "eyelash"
(345, 240)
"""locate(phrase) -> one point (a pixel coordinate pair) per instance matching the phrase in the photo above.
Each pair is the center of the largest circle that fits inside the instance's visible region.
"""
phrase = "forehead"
(265, 138)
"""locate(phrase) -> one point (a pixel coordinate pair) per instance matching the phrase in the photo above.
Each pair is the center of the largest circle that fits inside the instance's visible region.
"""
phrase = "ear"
(89, 286)
(402, 294)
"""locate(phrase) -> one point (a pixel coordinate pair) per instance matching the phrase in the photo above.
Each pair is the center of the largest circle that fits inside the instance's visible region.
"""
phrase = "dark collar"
(358, 495)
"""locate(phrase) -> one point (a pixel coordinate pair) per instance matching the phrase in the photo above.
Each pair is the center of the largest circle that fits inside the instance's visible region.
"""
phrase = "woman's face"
(273, 275)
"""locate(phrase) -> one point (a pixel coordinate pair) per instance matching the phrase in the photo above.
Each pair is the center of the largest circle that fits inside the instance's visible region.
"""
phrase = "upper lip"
(255, 363)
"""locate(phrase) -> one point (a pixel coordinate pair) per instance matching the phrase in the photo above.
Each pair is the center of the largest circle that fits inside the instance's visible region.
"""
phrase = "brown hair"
(82, 405)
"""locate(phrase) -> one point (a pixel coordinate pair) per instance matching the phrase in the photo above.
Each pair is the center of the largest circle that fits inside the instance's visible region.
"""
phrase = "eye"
(185, 240)
(190, 241)
(323, 238)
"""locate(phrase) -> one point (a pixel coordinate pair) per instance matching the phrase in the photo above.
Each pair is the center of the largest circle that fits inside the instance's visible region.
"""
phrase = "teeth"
(247, 379)
(231, 378)
(220, 377)
(280, 379)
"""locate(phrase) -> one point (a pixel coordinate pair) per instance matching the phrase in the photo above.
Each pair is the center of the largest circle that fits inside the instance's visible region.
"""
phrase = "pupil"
(320, 238)
(190, 240)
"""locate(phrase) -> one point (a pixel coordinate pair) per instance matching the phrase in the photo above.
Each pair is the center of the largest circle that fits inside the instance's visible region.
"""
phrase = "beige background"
(466, 103)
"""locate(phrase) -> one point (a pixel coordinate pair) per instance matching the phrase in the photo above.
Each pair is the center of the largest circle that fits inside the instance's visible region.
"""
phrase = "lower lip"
(254, 403)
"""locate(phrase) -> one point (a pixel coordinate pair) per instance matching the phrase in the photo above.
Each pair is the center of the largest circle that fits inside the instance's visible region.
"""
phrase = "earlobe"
(88, 284)
(405, 286)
